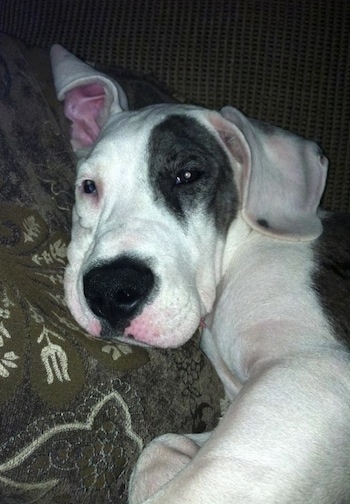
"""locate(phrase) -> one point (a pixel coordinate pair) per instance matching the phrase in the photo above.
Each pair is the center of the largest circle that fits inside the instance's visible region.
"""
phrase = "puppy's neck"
(266, 306)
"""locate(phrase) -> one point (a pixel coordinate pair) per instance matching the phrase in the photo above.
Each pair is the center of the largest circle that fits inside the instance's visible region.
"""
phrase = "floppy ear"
(282, 176)
(90, 97)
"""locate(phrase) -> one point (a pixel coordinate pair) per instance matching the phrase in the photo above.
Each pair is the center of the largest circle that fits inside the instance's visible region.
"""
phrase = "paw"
(159, 463)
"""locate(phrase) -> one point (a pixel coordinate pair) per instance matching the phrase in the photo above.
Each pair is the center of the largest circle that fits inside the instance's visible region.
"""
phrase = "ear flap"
(90, 97)
(283, 176)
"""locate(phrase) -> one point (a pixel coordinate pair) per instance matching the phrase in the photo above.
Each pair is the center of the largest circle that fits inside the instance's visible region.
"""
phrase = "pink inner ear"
(84, 105)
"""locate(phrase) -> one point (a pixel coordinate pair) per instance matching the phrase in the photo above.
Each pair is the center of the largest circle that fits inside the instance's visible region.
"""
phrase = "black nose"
(116, 291)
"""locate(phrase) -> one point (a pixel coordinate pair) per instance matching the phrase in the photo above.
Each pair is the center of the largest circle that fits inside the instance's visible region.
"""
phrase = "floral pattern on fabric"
(28, 249)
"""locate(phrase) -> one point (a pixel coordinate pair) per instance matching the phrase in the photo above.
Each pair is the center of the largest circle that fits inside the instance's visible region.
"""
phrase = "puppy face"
(154, 200)
(156, 192)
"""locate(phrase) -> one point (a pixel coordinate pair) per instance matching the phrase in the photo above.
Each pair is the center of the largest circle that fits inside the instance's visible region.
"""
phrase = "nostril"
(116, 291)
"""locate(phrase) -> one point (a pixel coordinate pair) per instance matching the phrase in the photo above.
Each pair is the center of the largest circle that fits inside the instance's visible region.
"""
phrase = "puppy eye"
(186, 176)
(89, 187)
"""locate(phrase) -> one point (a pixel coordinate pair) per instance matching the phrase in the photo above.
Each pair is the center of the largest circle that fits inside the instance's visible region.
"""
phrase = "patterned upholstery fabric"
(74, 413)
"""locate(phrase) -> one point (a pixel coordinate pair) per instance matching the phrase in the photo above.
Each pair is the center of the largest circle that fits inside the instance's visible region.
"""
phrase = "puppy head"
(156, 193)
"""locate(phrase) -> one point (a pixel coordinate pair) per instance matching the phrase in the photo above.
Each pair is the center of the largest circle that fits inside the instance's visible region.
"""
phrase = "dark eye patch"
(179, 167)
(189, 169)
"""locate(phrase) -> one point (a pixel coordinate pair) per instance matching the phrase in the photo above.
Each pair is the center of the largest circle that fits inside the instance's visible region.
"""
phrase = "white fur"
(285, 437)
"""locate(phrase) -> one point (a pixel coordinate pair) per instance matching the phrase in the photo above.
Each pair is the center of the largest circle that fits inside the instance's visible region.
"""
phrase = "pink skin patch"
(83, 106)
(94, 328)
(142, 331)
(148, 328)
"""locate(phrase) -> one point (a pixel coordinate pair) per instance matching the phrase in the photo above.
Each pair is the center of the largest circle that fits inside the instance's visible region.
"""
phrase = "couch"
(75, 413)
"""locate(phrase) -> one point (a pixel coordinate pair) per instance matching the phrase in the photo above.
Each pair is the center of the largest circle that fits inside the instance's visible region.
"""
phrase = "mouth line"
(129, 339)
(121, 335)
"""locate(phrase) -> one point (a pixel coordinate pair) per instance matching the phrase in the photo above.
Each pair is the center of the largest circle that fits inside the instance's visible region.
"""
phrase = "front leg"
(284, 440)
(160, 462)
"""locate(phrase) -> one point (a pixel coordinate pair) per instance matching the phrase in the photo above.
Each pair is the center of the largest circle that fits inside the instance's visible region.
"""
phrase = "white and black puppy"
(187, 217)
